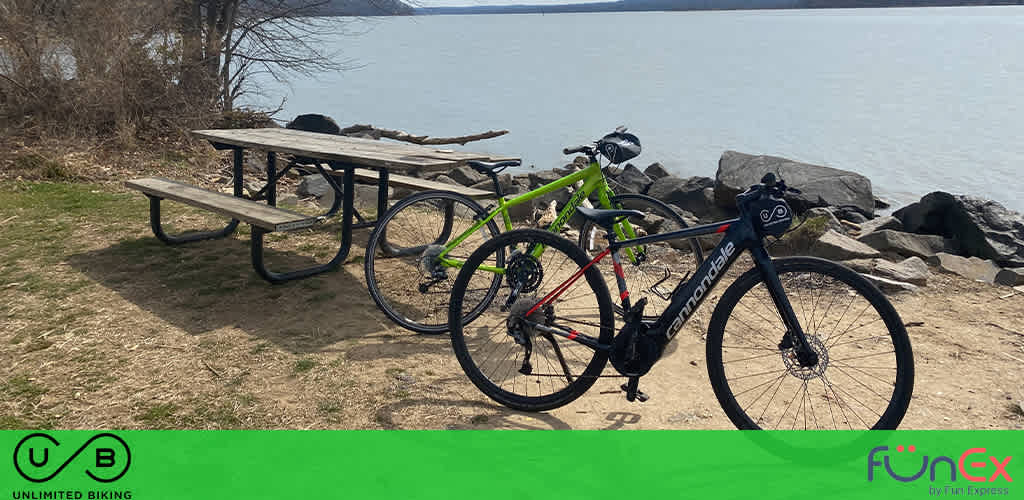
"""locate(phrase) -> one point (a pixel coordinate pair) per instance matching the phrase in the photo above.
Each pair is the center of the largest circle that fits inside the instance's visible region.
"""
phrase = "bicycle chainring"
(524, 273)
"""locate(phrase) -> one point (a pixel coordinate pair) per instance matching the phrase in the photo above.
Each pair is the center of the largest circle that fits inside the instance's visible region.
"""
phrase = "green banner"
(510, 464)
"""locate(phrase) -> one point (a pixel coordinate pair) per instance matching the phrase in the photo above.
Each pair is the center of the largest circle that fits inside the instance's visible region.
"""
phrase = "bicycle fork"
(795, 335)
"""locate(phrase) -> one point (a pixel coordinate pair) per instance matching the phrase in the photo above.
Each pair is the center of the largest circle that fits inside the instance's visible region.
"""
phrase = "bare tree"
(228, 42)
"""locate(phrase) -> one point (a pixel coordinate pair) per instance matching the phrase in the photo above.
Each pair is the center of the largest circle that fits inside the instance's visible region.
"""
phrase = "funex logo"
(973, 464)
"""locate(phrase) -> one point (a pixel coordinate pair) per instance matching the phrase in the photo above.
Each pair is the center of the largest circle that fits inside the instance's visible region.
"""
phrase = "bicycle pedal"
(637, 394)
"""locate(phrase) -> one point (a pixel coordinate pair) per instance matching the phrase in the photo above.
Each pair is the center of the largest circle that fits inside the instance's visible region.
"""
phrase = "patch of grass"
(478, 419)
(160, 416)
(304, 365)
(44, 167)
(329, 407)
(401, 393)
(802, 236)
(21, 387)
(395, 372)
(222, 416)
(9, 423)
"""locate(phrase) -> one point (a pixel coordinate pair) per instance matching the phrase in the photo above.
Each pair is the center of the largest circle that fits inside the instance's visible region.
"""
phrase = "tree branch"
(399, 135)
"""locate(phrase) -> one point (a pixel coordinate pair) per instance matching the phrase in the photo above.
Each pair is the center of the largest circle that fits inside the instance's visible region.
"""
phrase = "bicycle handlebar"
(578, 149)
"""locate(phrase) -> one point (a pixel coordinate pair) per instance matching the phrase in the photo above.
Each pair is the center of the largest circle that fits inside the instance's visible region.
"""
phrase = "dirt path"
(102, 326)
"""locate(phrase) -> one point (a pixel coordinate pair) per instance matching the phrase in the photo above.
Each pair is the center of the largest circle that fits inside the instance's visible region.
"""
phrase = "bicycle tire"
(587, 371)
(796, 273)
(389, 299)
(638, 280)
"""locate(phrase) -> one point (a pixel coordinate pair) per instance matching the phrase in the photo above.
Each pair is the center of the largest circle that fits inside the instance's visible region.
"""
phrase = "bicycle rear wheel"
(865, 374)
(504, 352)
(653, 270)
(403, 272)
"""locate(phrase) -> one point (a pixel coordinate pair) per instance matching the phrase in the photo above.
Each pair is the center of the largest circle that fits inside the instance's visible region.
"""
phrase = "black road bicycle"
(795, 342)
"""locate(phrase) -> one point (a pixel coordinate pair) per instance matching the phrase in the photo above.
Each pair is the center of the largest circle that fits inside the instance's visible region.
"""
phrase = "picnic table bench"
(337, 156)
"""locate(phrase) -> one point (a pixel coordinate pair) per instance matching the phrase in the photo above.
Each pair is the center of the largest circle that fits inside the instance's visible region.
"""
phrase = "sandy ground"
(120, 331)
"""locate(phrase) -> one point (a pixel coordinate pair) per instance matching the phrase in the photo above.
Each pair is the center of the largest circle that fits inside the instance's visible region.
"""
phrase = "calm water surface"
(915, 99)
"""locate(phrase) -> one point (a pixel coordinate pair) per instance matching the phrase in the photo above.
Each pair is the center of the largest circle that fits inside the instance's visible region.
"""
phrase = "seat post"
(497, 185)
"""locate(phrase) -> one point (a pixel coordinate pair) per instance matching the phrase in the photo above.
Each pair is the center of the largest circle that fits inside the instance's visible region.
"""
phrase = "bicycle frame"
(739, 236)
(593, 180)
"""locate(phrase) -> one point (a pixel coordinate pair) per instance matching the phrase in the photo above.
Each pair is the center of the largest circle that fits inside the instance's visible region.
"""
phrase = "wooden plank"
(421, 184)
(351, 150)
(248, 211)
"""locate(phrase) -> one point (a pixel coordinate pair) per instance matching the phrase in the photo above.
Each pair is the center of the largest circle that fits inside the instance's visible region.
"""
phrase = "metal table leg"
(346, 238)
(157, 226)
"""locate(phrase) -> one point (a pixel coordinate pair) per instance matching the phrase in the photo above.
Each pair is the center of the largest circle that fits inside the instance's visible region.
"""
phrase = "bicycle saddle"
(487, 167)
(606, 217)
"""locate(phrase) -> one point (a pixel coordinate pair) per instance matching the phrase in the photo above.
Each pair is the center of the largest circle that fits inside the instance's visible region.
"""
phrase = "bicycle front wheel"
(404, 272)
(865, 371)
(510, 351)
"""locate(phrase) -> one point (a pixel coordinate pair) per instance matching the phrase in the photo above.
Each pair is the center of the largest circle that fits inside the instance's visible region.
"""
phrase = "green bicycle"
(421, 242)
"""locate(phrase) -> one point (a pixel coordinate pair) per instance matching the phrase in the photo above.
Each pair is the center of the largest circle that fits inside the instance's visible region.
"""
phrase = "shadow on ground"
(209, 285)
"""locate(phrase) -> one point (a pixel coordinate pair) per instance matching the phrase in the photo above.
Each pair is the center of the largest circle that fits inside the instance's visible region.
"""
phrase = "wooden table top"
(352, 150)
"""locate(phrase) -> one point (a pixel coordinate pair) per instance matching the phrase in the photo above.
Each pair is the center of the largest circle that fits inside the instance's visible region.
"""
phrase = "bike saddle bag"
(619, 146)
(772, 216)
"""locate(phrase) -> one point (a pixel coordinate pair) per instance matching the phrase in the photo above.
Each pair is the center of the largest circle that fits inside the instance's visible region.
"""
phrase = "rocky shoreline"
(837, 216)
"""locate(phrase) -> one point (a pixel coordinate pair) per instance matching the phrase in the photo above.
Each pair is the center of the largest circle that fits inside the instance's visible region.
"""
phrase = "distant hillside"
(668, 5)
(361, 8)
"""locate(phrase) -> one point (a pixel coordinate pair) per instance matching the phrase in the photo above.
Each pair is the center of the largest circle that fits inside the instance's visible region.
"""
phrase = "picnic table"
(335, 156)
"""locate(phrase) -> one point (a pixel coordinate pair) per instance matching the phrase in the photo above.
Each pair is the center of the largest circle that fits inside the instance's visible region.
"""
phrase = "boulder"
(879, 224)
(443, 178)
(881, 204)
(820, 186)
(969, 267)
(631, 180)
(835, 246)
(542, 177)
(656, 171)
(1010, 276)
(832, 221)
(982, 228)
(849, 214)
(466, 176)
(912, 270)
(889, 285)
(687, 193)
(313, 185)
(906, 244)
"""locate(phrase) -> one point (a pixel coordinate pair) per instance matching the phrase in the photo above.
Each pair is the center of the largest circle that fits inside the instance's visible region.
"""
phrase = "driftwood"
(398, 135)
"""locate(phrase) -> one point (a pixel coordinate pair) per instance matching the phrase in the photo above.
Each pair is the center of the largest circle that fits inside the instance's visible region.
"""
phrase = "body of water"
(915, 99)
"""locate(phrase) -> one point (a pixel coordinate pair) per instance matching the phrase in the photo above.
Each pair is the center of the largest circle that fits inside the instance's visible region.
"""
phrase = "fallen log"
(425, 140)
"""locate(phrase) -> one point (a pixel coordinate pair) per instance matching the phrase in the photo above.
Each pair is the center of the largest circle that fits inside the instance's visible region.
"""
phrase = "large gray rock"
(656, 171)
(832, 222)
(982, 228)
(969, 267)
(1010, 276)
(880, 224)
(912, 270)
(835, 246)
(313, 185)
(890, 285)
(632, 180)
(687, 193)
(466, 176)
(542, 177)
(820, 186)
(906, 244)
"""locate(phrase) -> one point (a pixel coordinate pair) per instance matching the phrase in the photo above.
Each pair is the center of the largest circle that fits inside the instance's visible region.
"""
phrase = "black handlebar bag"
(619, 147)
(772, 216)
